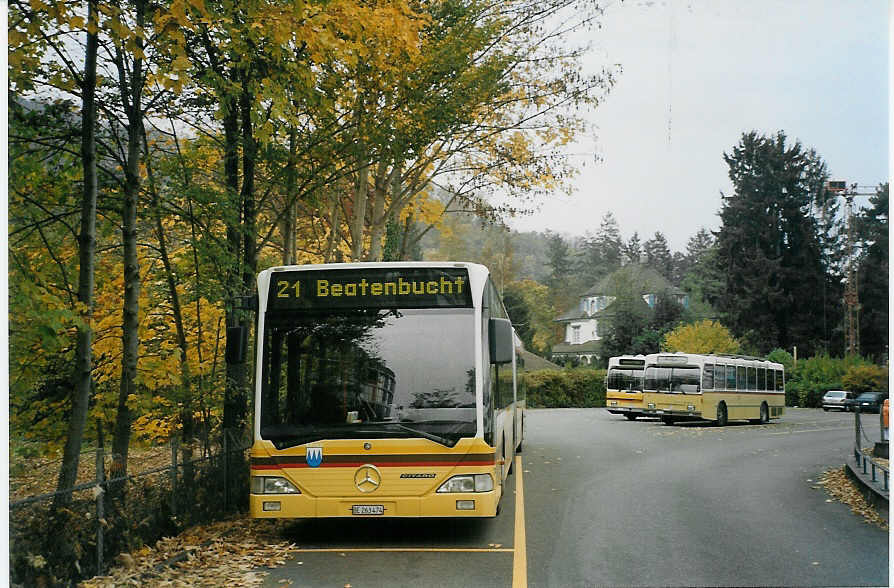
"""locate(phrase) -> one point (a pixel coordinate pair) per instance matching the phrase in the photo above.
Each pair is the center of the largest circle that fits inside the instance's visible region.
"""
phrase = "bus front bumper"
(615, 407)
(676, 414)
(291, 506)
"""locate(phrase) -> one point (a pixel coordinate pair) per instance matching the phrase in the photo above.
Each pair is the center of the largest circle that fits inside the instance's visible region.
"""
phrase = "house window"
(575, 334)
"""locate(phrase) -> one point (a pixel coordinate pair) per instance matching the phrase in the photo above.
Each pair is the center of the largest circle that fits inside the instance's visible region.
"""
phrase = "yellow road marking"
(407, 550)
(520, 560)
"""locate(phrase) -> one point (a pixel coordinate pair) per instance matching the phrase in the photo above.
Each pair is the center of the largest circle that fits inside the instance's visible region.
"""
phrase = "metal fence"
(110, 515)
(865, 437)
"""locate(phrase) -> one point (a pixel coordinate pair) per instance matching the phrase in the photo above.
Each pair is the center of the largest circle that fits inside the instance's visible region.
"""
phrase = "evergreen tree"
(601, 254)
(561, 282)
(774, 291)
(658, 255)
(873, 277)
(632, 250)
(558, 259)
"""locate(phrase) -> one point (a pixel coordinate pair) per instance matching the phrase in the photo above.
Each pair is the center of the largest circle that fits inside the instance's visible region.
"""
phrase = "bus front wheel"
(765, 413)
(721, 415)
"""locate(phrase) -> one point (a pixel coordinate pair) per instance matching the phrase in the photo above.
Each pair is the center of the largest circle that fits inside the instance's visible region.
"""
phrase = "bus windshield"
(368, 373)
(625, 379)
(676, 380)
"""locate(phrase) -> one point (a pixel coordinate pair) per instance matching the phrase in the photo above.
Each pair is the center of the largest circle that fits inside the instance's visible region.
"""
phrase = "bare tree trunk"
(171, 279)
(358, 220)
(233, 279)
(334, 221)
(86, 260)
(289, 245)
(131, 94)
(380, 218)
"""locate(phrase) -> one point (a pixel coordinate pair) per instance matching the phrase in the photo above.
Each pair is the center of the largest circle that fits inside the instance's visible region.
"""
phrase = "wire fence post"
(857, 450)
(226, 470)
(100, 506)
(174, 476)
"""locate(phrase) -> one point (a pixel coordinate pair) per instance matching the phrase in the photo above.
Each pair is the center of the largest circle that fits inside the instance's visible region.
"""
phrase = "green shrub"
(811, 378)
(577, 387)
(866, 378)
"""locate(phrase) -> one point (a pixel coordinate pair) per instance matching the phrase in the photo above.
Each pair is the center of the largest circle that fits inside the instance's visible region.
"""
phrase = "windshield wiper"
(425, 434)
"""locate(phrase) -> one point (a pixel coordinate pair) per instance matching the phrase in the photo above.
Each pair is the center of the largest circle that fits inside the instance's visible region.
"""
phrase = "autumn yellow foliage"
(705, 336)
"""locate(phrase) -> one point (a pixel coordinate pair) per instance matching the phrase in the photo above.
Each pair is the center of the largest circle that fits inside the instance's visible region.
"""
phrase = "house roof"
(586, 347)
(535, 362)
(644, 280)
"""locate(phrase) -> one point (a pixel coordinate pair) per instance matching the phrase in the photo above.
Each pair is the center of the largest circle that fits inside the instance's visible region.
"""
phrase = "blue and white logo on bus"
(314, 456)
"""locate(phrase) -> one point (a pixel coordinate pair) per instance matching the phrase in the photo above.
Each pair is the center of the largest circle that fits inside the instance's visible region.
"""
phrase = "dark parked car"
(867, 401)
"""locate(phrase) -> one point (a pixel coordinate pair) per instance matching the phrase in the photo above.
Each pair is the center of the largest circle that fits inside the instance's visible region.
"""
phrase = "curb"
(871, 490)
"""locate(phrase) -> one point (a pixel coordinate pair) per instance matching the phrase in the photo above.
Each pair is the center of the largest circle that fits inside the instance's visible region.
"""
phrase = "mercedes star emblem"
(367, 478)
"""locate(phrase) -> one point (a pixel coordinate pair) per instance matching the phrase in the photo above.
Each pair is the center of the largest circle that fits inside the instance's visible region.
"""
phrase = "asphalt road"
(608, 502)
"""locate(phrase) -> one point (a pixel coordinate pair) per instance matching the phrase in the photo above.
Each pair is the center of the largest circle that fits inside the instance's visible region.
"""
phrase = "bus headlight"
(272, 485)
(468, 483)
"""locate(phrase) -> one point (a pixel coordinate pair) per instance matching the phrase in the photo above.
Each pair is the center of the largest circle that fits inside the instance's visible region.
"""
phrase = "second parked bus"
(719, 388)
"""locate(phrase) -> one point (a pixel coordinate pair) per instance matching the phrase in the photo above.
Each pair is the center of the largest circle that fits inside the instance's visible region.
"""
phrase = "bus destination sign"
(370, 288)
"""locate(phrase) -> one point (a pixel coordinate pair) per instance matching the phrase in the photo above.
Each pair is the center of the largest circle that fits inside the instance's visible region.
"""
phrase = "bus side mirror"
(501, 340)
(237, 342)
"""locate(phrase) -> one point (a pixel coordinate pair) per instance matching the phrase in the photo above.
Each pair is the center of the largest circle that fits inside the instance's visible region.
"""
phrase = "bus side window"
(719, 376)
(752, 378)
(708, 377)
(741, 381)
(762, 379)
(731, 377)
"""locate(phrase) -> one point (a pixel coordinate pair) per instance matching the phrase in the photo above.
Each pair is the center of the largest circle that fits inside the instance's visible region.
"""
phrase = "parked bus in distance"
(624, 385)
(719, 388)
(383, 390)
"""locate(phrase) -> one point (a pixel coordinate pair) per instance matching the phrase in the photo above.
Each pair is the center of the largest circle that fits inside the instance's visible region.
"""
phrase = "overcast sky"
(699, 73)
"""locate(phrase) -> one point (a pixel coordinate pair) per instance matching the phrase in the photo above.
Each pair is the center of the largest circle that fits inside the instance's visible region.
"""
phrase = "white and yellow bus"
(624, 385)
(719, 388)
(383, 390)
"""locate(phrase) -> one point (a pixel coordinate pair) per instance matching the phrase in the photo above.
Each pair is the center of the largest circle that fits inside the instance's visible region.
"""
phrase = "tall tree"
(559, 260)
(770, 247)
(633, 249)
(601, 253)
(42, 59)
(658, 255)
(873, 277)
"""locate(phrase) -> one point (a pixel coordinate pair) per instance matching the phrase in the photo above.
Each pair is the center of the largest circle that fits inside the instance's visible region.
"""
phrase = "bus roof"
(376, 264)
(679, 358)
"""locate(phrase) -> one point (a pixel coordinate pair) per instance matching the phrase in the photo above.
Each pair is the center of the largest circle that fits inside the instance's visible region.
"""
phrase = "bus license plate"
(368, 509)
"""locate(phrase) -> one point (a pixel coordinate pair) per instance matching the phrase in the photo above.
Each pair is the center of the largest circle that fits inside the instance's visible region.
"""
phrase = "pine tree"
(633, 249)
(658, 255)
(774, 291)
(873, 277)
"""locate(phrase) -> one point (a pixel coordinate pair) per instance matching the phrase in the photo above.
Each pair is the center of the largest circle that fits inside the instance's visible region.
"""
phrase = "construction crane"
(851, 288)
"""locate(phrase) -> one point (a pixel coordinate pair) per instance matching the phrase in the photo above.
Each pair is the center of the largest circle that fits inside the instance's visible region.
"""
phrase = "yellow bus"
(383, 390)
(719, 388)
(624, 385)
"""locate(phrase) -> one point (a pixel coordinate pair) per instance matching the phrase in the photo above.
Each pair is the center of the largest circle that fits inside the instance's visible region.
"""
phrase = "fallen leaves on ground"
(840, 487)
(41, 474)
(227, 553)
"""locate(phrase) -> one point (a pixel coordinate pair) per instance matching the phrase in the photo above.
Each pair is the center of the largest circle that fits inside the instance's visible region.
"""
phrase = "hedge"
(574, 387)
